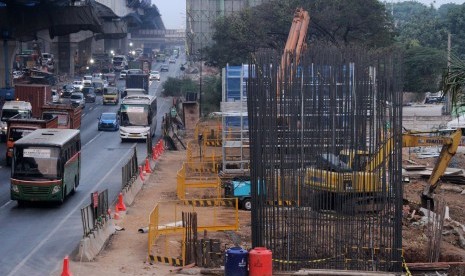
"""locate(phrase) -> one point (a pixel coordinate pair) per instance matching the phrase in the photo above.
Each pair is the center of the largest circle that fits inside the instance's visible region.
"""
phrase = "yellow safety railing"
(198, 175)
(219, 214)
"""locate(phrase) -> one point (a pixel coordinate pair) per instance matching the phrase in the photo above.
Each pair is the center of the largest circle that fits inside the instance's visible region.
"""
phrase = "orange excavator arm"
(295, 43)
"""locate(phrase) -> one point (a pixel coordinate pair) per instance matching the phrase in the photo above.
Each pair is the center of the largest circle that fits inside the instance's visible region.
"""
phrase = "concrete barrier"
(130, 193)
(90, 246)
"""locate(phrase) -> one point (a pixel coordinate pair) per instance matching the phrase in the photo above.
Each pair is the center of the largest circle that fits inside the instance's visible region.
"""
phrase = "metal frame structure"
(312, 207)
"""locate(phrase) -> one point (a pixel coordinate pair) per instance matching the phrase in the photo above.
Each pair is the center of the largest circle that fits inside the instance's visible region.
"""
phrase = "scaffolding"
(327, 143)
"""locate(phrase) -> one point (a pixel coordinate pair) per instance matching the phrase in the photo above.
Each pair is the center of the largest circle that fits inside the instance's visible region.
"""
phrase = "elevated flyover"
(70, 29)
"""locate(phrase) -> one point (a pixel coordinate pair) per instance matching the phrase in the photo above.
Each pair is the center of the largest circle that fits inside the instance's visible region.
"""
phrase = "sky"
(173, 12)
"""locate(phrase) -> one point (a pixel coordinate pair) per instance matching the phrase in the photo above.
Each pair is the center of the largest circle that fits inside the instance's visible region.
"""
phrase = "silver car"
(77, 99)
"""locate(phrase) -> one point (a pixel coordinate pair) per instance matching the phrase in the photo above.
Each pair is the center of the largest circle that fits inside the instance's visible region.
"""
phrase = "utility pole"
(448, 107)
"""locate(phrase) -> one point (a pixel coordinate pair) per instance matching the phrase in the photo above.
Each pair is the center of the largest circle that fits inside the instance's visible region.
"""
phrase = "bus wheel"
(73, 191)
(8, 161)
(21, 203)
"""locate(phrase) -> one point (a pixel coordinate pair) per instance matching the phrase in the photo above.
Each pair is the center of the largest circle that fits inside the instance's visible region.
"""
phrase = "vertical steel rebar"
(326, 158)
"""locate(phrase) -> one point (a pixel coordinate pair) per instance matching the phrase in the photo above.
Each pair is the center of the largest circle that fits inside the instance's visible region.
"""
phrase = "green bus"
(46, 165)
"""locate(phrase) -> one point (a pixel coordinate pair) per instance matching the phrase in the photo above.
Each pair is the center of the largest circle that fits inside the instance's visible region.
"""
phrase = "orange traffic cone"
(120, 205)
(147, 166)
(66, 271)
(116, 214)
(141, 173)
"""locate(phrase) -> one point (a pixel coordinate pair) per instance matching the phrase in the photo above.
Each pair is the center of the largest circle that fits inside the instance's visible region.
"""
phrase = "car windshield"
(68, 87)
(154, 72)
(87, 90)
(108, 116)
(76, 96)
(110, 91)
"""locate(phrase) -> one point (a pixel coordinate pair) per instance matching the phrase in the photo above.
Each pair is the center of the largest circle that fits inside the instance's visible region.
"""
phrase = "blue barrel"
(235, 262)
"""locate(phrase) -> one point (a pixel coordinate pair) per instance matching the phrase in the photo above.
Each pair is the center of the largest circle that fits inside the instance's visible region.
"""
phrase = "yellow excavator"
(352, 176)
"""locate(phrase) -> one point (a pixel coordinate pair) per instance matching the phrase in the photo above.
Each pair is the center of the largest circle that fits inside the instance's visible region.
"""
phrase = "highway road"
(35, 238)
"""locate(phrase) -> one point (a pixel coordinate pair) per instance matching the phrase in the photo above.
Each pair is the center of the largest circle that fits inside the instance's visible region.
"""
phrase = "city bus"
(138, 117)
(46, 165)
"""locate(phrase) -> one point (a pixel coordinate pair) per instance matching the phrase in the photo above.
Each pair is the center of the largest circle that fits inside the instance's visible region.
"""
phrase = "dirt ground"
(126, 252)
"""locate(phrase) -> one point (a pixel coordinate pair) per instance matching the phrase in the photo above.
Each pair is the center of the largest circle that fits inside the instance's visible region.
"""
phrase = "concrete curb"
(90, 246)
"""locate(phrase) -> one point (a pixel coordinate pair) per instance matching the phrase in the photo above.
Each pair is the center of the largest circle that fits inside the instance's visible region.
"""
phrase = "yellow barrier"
(166, 219)
(198, 175)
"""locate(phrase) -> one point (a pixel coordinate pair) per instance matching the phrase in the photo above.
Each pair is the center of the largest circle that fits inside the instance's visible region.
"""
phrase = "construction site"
(309, 159)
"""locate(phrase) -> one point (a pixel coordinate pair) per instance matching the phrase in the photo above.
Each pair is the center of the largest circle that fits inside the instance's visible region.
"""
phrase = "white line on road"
(96, 136)
(78, 206)
(4, 205)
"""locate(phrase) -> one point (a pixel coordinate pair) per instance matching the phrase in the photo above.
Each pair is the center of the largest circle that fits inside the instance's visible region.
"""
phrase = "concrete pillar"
(74, 53)
(11, 50)
(123, 42)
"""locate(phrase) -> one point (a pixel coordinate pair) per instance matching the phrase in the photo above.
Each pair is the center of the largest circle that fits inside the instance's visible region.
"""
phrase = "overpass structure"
(72, 30)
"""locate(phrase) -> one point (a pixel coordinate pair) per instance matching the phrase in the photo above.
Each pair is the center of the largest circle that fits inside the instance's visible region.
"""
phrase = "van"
(10, 109)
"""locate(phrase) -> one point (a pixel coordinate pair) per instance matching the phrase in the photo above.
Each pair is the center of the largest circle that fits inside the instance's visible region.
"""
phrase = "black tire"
(8, 161)
(21, 203)
(73, 191)
(247, 204)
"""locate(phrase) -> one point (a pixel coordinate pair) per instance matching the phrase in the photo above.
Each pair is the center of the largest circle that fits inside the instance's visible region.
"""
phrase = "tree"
(211, 94)
(267, 25)
(179, 87)
(423, 67)
(453, 82)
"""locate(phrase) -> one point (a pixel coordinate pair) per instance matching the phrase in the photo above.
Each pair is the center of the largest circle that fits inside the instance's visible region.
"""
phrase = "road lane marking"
(91, 140)
(4, 205)
(63, 221)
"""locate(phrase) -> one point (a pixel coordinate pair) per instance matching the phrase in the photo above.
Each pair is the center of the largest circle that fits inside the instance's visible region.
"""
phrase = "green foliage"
(267, 26)
(453, 81)
(178, 87)
(423, 67)
(211, 94)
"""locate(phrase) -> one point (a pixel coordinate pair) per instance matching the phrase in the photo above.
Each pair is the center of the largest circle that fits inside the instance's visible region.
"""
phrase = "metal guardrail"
(130, 170)
(95, 214)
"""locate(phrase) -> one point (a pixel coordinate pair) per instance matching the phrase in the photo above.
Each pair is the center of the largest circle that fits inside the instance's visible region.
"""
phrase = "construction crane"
(351, 177)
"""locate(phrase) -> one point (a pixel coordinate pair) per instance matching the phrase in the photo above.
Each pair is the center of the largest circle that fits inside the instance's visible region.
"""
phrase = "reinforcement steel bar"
(326, 159)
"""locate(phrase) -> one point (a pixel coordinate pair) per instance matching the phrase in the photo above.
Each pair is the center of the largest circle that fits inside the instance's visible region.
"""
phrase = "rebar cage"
(325, 139)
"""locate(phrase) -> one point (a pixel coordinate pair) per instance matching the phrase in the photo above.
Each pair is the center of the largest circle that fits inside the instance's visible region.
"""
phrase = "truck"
(140, 81)
(19, 127)
(36, 94)
(68, 116)
(240, 189)
(10, 109)
(110, 95)
(141, 63)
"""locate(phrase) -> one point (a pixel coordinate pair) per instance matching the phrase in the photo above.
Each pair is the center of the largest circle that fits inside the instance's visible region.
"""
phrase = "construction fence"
(95, 214)
(167, 235)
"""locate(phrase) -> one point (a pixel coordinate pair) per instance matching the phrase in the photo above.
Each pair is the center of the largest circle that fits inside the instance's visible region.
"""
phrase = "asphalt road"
(34, 239)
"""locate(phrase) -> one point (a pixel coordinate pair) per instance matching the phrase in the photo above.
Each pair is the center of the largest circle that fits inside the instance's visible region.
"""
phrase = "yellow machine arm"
(449, 148)
(420, 139)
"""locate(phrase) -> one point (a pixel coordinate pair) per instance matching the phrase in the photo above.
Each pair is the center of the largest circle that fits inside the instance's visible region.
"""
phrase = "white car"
(55, 96)
(77, 99)
(78, 85)
(122, 74)
(154, 75)
(17, 74)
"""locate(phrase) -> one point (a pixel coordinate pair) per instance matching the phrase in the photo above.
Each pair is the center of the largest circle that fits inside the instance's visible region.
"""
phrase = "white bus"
(138, 117)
